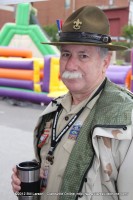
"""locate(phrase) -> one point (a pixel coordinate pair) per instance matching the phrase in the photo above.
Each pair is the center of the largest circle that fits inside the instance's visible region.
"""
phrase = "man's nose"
(72, 64)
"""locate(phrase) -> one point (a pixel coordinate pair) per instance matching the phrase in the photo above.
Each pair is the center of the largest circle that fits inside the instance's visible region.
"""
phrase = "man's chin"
(72, 84)
(73, 88)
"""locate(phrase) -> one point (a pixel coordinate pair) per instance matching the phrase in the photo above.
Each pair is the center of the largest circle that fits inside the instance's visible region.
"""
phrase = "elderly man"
(84, 139)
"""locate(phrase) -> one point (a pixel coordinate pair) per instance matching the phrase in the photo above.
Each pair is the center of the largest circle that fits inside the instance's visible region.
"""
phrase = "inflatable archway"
(24, 35)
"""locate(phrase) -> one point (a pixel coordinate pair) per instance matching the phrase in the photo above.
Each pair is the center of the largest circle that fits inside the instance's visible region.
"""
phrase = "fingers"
(15, 181)
(42, 173)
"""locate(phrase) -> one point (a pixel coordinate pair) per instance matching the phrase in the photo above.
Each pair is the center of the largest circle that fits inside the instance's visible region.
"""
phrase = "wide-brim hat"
(86, 26)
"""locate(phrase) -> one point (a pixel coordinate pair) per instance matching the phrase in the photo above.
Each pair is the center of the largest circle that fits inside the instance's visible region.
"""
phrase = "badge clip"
(50, 158)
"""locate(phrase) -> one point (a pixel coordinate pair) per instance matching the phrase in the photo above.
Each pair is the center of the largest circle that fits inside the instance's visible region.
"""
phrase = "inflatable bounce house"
(121, 75)
(29, 71)
(33, 79)
(22, 34)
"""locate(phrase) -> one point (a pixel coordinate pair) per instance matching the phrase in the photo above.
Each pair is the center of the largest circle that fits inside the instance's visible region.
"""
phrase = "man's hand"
(15, 181)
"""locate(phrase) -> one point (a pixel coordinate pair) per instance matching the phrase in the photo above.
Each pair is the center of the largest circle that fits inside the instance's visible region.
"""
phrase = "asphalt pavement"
(17, 122)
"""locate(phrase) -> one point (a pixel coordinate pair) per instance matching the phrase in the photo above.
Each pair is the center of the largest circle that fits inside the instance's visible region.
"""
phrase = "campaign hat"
(88, 25)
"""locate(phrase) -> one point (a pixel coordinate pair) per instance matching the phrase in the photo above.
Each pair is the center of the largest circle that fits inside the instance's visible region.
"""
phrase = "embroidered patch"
(45, 134)
(43, 139)
(74, 132)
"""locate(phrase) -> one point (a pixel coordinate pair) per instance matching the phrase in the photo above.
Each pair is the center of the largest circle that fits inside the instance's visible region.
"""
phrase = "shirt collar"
(67, 100)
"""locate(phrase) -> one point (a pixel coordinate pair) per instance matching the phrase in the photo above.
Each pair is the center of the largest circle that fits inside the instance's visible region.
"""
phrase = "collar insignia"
(77, 24)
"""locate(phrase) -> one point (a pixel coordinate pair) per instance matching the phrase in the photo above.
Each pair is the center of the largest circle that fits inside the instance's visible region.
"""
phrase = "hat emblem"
(77, 24)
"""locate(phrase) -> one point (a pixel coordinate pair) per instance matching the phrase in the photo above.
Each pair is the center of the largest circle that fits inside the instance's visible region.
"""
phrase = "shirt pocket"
(68, 145)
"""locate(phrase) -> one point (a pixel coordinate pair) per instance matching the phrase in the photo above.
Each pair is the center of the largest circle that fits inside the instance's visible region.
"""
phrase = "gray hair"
(103, 51)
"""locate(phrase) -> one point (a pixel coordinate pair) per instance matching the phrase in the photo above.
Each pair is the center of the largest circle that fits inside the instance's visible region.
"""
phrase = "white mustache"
(71, 75)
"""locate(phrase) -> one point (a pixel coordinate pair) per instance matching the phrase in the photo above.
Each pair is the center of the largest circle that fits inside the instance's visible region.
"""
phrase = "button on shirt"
(64, 148)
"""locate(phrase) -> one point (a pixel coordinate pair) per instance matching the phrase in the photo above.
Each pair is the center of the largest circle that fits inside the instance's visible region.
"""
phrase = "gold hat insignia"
(77, 24)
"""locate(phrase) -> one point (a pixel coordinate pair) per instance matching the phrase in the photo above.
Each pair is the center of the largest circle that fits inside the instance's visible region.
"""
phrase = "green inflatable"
(22, 34)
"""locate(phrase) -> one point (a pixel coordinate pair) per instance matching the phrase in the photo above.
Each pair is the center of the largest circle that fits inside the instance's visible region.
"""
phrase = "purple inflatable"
(16, 64)
(117, 74)
(25, 95)
(17, 83)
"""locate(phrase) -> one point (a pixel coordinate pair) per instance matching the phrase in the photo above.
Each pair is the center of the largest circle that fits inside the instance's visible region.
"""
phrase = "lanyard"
(56, 139)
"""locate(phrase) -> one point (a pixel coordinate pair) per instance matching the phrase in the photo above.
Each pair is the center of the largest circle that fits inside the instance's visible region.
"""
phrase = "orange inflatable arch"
(17, 74)
(12, 52)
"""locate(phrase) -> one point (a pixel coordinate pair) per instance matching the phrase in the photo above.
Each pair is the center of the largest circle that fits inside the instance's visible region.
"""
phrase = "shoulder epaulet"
(129, 93)
(55, 101)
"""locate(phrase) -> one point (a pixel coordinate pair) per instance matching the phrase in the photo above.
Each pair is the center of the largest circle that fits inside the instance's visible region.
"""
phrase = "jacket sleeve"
(125, 175)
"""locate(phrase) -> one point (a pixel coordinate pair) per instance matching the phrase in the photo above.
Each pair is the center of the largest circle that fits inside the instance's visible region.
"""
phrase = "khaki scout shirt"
(63, 150)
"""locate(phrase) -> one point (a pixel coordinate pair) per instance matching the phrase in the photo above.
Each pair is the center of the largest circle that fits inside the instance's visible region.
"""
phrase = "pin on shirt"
(74, 132)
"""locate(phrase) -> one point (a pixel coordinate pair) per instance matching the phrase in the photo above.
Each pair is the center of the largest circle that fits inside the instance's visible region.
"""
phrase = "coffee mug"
(29, 175)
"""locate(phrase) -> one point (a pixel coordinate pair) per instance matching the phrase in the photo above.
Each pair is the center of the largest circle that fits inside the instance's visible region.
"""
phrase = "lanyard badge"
(50, 156)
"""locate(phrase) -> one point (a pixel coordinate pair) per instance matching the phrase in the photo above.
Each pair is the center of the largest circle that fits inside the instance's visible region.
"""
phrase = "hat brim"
(109, 46)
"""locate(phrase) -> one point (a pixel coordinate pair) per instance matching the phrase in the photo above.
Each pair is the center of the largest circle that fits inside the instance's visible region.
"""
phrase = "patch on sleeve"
(45, 135)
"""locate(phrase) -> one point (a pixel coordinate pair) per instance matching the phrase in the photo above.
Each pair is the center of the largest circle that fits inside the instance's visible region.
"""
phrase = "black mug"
(29, 175)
